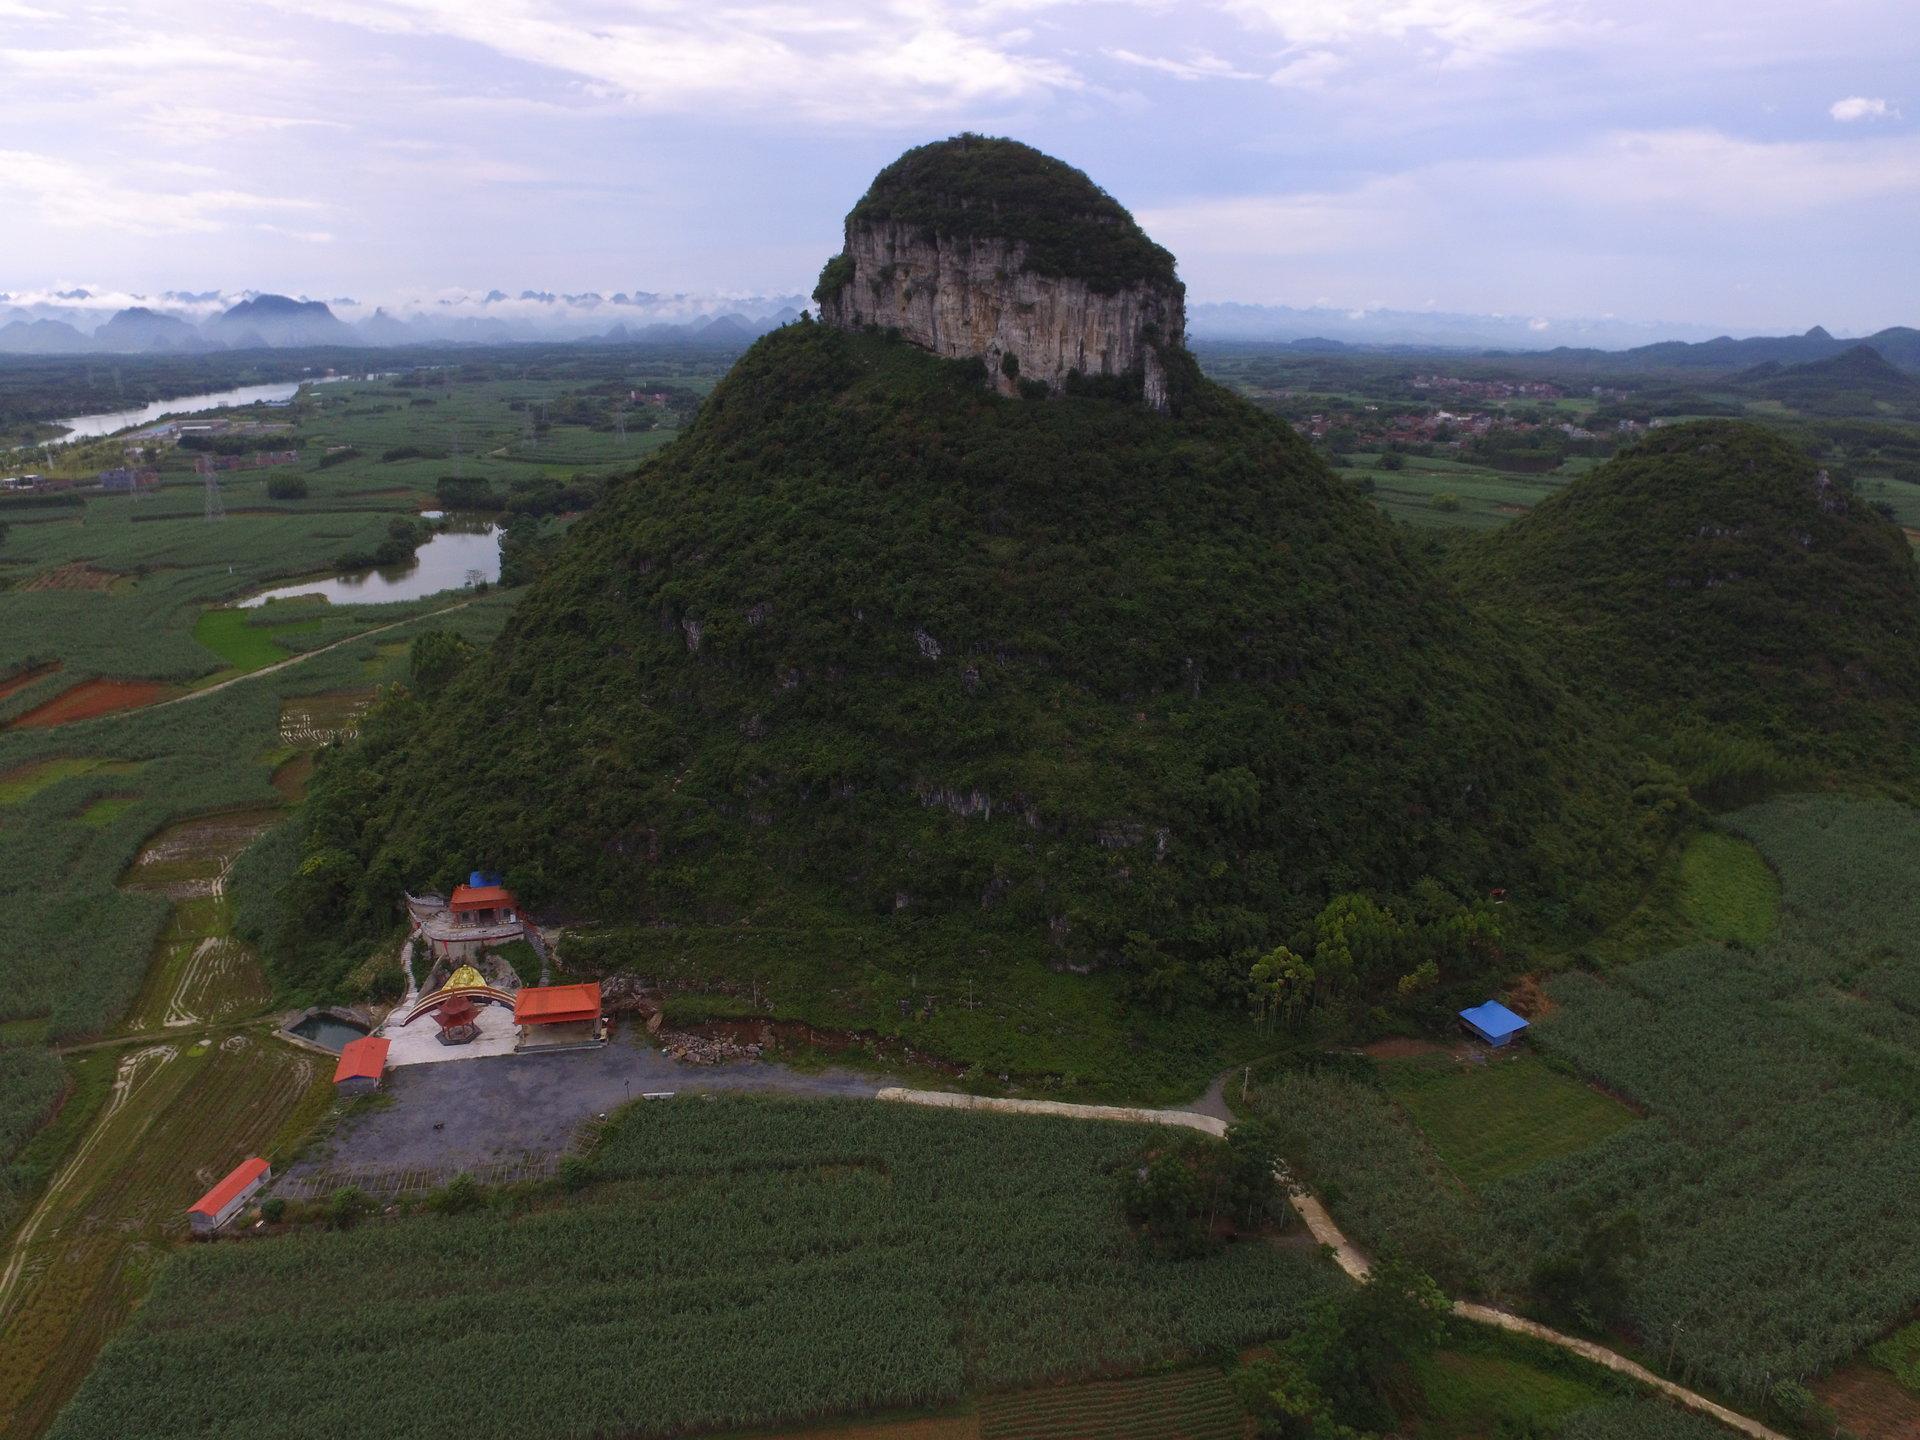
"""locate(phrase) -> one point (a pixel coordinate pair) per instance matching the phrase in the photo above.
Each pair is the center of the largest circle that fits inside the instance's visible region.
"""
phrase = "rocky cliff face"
(977, 296)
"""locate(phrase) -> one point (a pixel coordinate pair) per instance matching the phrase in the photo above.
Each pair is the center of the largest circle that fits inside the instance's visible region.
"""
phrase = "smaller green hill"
(978, 187)
(1721, 587)
(1854, 382)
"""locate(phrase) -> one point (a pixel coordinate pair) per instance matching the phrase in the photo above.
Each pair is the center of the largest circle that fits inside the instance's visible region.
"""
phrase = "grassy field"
(738, 1262)
(1728, 894)
(1469, 1395)
(1502, 1115)
(249, 640)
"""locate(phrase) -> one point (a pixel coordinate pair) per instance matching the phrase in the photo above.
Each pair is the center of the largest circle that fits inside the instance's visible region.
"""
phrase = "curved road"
(1345, 1254)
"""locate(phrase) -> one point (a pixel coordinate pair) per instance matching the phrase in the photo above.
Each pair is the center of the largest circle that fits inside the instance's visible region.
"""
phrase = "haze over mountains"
(80, 322)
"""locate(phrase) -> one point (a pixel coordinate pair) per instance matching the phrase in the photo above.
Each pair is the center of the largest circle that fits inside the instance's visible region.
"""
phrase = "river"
(90, 427)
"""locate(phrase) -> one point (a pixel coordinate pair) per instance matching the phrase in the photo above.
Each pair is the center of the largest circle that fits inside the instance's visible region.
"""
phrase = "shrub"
(1446, 500)
(348, 1207)
(287, 487)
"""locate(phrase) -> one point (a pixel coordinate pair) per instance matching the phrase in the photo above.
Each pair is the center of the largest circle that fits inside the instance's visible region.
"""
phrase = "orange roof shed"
(556, 1004)
(362, 1059)
(223, 1194)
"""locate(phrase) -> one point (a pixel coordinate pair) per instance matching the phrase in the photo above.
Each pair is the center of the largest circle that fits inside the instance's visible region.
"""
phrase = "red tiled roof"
(221, 1196)
(481, 897)
(556, 1004)
(362, 1059)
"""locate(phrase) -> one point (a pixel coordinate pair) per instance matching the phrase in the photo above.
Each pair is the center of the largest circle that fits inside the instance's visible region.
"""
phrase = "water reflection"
(459, 557)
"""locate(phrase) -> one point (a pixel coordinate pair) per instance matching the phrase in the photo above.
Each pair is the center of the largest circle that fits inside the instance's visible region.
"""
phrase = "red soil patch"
(90, 698)
(15, 683)
(75, 576)
(1869, 1401)
(1530, 999)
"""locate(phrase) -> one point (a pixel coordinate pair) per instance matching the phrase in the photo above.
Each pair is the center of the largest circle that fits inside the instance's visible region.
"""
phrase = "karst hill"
(1718, 581)
(876, 646)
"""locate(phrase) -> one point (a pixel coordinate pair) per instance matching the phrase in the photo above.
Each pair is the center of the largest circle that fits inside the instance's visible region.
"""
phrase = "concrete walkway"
(1320, 1224)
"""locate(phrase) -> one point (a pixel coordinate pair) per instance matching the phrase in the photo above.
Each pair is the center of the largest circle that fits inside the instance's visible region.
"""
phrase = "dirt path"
(1320, 1224)
(285, 664)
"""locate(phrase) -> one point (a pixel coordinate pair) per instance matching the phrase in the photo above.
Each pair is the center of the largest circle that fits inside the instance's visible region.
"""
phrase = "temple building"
(479, 916)
(558, 1017)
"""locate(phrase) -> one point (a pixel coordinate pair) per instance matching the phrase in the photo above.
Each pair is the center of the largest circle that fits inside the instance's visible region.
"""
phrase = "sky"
(1747, 164)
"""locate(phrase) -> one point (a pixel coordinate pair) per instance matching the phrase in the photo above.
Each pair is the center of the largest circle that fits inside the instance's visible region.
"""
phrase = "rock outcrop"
(1045, 279)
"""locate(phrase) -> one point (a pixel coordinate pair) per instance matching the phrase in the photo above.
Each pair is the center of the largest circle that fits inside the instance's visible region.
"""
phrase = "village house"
(224, 1201)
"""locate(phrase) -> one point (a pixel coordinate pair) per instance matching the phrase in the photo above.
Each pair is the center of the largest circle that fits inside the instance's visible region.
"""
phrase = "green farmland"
(1495, 1117)
(1781, 1088)
(736, 1262)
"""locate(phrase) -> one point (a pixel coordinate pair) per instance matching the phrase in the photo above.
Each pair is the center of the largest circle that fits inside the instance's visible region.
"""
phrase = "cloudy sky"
(1747, 163)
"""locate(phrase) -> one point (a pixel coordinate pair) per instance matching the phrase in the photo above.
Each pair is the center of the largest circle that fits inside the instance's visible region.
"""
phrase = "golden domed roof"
(466, 977)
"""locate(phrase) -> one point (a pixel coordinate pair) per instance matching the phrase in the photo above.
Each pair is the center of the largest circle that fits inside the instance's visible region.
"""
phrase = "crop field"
(1178, 1405)
(1501, 1115)
(200, 974)
(738, 1262)
(1781, 1085)
(178, 1117)
(1481, 498)
(23, 783)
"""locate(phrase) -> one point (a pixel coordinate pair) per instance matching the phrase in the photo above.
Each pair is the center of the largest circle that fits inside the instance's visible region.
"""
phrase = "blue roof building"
(1493, 1022)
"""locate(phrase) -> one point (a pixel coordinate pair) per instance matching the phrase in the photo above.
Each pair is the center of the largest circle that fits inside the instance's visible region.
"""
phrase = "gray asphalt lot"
(467, 1115)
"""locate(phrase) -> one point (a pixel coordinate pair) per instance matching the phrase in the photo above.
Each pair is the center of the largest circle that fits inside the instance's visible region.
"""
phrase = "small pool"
(327, 1032)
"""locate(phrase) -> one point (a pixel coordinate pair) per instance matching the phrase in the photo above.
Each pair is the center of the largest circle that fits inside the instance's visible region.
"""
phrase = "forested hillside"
(1748, 609)
(871, 644)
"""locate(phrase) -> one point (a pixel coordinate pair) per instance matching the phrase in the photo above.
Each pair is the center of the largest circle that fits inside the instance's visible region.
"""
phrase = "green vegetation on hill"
(734, 1262)
(871, 648)
(1748, 609)
(976, 187)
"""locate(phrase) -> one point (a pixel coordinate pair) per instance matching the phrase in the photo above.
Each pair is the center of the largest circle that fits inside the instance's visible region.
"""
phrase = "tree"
(1282, 985)
(1587, 1283)
(437, 656)
(1330, 1380)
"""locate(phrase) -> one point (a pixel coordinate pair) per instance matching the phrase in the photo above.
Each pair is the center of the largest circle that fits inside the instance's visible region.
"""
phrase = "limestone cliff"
(987, 248)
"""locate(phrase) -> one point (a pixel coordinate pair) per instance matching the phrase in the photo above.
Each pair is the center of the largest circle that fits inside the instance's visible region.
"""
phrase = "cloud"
(1463, 31)
(68, 196)
(1859, 107)
(872, 61)
(1308, 70)
(1202, 66)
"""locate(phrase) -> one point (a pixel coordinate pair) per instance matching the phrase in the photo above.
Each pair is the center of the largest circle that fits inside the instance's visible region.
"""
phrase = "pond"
(453, 559)
(327, 1032)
